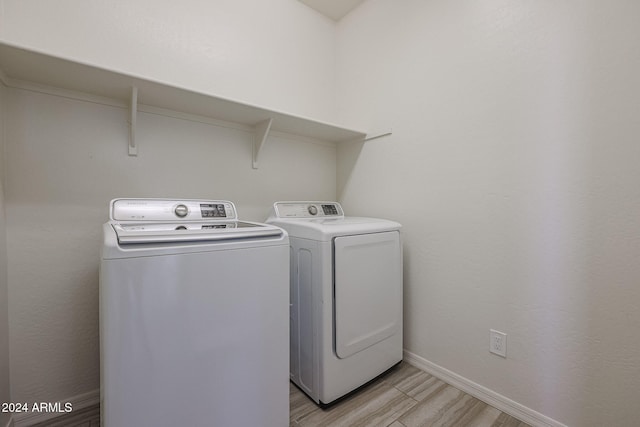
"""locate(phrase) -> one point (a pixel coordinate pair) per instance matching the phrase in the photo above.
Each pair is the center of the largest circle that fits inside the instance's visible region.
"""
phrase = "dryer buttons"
(330, 209)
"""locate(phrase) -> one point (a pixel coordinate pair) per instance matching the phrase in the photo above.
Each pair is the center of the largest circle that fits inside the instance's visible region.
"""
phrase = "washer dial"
(181, 211)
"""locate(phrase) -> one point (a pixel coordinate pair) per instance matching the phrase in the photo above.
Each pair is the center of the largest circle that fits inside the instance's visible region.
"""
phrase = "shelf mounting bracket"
(260, 133)
(133, 110)
(378, 134)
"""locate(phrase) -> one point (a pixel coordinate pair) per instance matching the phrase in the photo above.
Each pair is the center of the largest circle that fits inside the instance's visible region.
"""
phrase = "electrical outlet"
(498, 343)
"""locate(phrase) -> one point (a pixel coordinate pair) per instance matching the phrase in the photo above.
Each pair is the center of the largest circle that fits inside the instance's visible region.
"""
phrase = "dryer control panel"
(308, 210)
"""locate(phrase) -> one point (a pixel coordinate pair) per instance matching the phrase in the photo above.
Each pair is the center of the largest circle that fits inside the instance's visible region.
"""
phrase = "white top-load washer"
(346, 297)
(193, 316)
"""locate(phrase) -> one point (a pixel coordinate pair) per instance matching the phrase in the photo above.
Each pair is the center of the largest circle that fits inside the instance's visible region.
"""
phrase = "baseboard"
(78, 402)
(490, 397)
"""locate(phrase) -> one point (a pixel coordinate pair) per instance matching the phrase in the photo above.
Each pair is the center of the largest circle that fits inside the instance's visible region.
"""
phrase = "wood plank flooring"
(85, 417)
(405, 397)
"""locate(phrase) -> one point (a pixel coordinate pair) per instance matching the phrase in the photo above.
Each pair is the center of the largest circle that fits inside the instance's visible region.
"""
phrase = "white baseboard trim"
(78, 402)
(490, 397)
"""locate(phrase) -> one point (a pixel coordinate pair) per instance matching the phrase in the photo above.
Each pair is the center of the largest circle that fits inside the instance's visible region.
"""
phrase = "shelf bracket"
(379, 134)
(133, 110)
(260, 133)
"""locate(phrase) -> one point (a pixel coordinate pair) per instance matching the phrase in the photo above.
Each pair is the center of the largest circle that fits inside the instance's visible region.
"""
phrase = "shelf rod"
(133, 148)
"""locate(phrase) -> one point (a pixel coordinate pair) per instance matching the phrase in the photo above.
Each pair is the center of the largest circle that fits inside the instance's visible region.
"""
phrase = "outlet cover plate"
(498, 343)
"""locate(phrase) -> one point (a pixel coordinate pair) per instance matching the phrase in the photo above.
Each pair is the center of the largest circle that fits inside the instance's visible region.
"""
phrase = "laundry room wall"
(513, 166)
(276, 53)
(4, 316)
(66, 158)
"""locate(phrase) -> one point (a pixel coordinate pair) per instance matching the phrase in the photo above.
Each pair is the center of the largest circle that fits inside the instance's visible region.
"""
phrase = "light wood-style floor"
(405, 397)
(85, 417)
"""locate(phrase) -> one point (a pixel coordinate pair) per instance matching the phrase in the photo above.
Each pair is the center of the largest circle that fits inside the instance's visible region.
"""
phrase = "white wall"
(276, 53)
(66, 160)
(4, 316)
(513, 166)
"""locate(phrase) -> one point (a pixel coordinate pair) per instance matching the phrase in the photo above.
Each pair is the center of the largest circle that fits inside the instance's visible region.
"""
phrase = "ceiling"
(334, 9)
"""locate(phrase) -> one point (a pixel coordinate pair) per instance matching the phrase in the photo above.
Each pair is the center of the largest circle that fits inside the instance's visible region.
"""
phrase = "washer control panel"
(308, 210)
(171, 210)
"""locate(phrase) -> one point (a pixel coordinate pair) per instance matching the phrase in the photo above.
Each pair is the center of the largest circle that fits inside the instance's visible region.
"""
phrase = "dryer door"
(367, 290)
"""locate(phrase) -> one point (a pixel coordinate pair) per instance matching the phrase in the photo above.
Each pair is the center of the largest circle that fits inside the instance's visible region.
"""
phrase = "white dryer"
(193, 317)
(345, 295)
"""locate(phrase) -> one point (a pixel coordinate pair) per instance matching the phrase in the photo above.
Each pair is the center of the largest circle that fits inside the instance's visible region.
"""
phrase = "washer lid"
(165, 220)
(191, 232)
